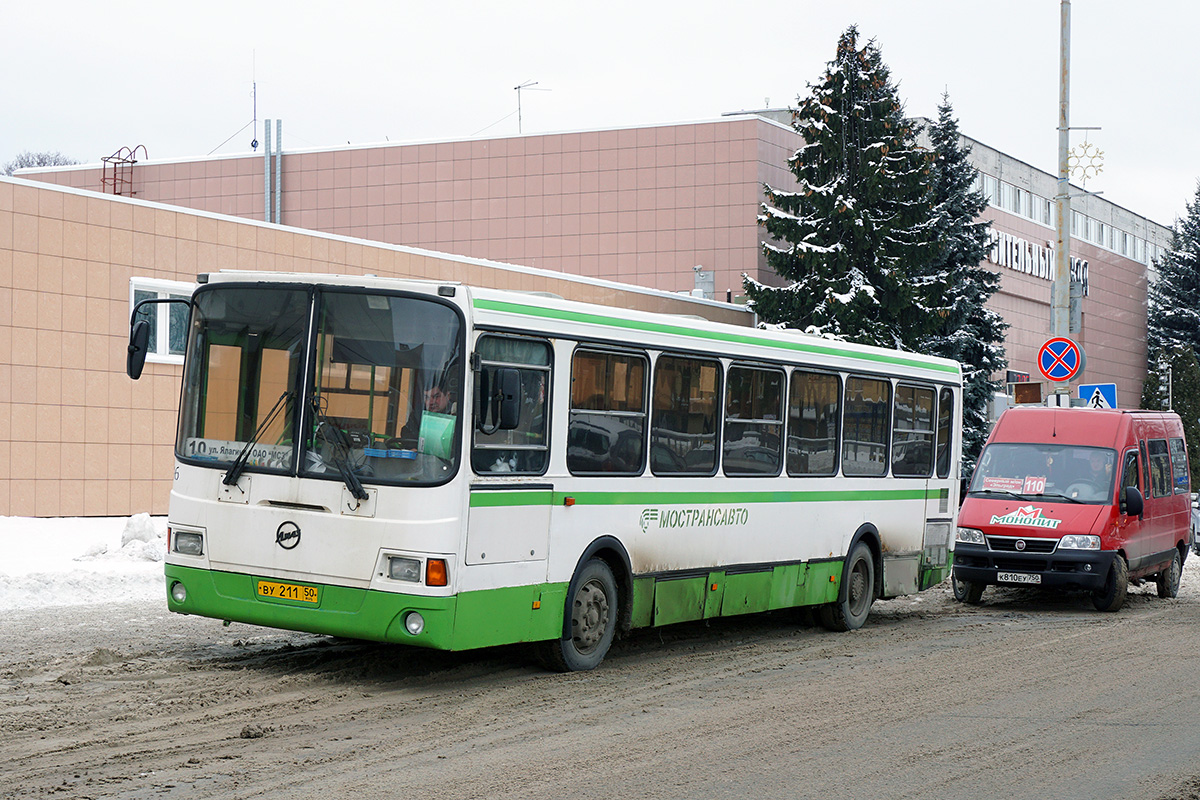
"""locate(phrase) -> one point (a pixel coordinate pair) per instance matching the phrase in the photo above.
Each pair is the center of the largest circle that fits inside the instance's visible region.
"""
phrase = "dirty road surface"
(1029, 695)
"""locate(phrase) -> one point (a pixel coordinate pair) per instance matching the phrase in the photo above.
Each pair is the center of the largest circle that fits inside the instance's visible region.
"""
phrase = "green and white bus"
(452, 467)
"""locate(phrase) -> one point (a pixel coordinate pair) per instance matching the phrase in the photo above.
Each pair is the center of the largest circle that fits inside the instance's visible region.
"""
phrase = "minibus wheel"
(1168, 579)
(1112, 596)
(591, 613)
(856, 593)
(967, 591)
(975, 593)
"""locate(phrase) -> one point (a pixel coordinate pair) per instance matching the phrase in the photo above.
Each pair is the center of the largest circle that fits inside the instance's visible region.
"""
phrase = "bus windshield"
(1079, 474)
(379, 403)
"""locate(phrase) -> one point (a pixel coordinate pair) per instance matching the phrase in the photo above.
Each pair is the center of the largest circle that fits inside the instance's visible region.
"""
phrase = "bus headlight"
(404, 569)
(970, 536)
(178, 592)
(414, 623)
(1076, 541)
(188, 544)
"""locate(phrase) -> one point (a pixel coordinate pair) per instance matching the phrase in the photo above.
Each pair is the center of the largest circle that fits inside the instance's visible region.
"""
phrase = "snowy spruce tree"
(853, 239)
(1173, 330)
(1174, 296)
(967, 331)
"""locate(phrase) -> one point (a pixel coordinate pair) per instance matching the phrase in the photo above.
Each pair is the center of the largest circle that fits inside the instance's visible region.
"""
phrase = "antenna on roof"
(519, 87)
(254, 98)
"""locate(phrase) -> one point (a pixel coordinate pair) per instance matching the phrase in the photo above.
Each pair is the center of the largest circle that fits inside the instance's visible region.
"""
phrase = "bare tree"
(31, 159)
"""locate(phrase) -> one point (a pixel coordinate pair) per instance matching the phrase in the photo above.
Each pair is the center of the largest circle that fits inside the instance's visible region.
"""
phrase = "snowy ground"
(74, 561)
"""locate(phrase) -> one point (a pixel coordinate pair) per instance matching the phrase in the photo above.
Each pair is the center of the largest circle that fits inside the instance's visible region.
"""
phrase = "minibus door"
(1130, 529)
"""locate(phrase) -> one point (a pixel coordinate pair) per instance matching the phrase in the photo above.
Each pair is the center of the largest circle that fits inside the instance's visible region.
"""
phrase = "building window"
(1041, 209)
(168, 321)
(991, 190)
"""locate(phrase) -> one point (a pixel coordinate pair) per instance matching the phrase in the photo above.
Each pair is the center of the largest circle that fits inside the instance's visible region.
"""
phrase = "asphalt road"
(1029, 695)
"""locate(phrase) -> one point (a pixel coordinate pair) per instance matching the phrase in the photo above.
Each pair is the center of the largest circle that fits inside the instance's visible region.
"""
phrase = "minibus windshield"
(1055, 472)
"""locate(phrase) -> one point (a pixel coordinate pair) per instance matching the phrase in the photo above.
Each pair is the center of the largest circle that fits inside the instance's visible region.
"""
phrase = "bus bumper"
(339, 610)
(463, 621)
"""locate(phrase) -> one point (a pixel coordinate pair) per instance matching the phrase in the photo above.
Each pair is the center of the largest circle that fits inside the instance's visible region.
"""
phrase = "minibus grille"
(1008, 544)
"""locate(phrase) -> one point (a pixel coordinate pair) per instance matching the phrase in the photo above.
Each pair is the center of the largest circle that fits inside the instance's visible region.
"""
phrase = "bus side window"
(526, 448)
(607, 429)
(912, 432)
(753, 422)
(683, 422)
(944, 428)
(866, 427)
(814, 414)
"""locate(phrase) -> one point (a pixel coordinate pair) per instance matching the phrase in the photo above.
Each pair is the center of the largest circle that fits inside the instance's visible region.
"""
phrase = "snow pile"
(74, 561)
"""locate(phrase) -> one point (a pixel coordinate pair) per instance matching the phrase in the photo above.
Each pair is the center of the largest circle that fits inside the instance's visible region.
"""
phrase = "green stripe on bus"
(539, 498)
(499, 499)
(736, 338)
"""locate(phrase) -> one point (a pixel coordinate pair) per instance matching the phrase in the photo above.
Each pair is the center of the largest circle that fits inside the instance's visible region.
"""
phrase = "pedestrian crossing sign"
(1098, 395)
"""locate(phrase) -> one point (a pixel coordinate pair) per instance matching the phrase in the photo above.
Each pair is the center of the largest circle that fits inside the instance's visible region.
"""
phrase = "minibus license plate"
(288, 591)
(1018, 577)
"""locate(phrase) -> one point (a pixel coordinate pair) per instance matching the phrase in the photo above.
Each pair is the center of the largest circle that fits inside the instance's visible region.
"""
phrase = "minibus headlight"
(178, 592)
(404, 569)
(1078, 542)
(188, 544)
(414, 623)
(970, 536)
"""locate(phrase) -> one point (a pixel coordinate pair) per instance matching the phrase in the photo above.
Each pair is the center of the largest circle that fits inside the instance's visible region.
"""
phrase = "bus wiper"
(239, 463)
(339, 452)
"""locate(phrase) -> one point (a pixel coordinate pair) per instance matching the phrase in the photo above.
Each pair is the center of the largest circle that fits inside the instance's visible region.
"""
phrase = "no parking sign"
(1060, 359)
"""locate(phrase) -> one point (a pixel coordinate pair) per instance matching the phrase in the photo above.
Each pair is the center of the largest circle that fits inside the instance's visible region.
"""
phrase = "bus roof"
(538, 312)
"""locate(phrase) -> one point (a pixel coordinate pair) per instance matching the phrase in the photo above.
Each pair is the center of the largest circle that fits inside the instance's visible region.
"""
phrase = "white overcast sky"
(87, 78)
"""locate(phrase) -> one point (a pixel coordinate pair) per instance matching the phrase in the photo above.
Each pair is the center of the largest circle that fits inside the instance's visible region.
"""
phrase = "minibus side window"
(1160, 467)
(1179, 464)
(1129, 476)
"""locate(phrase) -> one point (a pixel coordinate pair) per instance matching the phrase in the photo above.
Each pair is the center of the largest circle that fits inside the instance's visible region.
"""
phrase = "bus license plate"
(1018, 577)
(288, 591)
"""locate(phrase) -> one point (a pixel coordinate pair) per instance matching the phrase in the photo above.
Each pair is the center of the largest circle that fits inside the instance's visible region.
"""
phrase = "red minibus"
(1076, 498)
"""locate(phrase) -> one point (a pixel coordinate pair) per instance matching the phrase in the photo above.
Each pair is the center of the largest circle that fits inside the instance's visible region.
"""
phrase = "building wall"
(77, 437)
(642, 205)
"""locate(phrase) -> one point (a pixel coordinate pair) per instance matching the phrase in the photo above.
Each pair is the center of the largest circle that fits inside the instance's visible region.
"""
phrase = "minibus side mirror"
(139, 340)
(1131, 501)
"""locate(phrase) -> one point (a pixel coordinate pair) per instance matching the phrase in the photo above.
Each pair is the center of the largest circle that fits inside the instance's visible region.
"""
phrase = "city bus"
(453, 467)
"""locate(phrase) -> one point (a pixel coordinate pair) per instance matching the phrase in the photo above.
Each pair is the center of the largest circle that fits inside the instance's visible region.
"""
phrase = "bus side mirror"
(139, 340)
(509, 392)
(1131, 501)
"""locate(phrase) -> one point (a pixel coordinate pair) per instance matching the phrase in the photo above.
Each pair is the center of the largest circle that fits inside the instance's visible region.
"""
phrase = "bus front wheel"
(856, 594)
(591, 612)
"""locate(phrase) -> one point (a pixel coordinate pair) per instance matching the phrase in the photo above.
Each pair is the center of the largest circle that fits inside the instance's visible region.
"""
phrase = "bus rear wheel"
(856, 594)
(591, 612)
